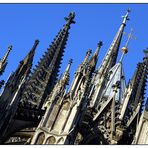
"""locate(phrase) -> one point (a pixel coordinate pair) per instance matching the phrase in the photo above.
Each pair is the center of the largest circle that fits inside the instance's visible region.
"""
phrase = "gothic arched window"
(51, 140)
(62, 115)
(60, 141)
(66, 105)
(40, 138)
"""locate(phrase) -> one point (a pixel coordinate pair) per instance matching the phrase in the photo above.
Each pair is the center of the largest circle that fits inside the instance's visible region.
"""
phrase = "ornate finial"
(126, 16)
(70, 61)
(100, 44)
(10, 48)
(68, 66)
(37, 41)
(98, 47)
(89, 52)
(129, 10)
(70, 18)
(146, 52)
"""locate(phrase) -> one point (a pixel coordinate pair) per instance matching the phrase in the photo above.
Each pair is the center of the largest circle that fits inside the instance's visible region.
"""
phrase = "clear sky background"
(22, 24)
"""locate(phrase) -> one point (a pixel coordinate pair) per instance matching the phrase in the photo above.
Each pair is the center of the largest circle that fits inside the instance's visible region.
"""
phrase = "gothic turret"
(52, 121)
(21, 72)
(141, 135)
(85, 69)
(94, 59)
(10, 96)
(3, 61)
(107, 63)
(79, 72)
(131, 106)
(135, 91)
(26, 64)
(44, 76)
(60, 85)
(65, 109)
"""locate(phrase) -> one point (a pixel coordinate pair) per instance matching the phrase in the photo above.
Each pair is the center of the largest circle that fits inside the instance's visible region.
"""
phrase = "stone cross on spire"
(70, 18)
(126, 17)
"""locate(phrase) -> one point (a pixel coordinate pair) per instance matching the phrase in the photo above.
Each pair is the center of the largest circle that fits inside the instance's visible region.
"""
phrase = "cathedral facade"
(98, 108)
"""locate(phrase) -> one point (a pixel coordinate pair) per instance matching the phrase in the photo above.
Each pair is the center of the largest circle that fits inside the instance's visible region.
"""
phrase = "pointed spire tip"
(37, 41)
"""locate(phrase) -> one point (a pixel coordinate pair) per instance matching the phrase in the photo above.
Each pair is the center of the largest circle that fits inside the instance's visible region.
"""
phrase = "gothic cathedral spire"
(43, 78)
(108, 62)
(3, 61)
(10, 96)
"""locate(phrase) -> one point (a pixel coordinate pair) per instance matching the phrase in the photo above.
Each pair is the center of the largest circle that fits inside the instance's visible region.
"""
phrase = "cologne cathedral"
(98, 108)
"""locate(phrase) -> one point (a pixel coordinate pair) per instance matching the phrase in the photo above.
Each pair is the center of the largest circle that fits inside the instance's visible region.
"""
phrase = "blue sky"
(21, 24)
